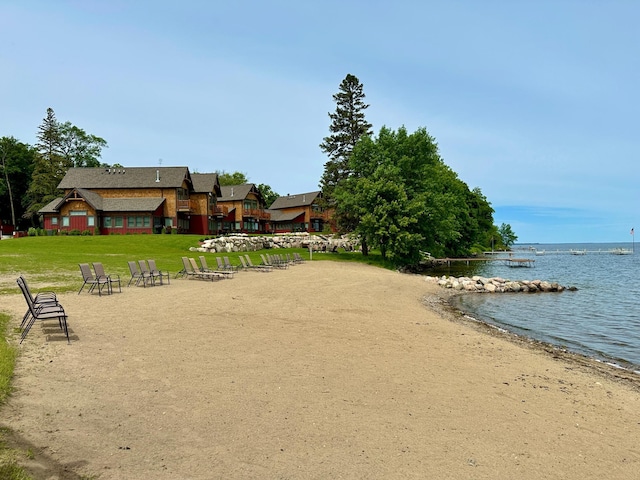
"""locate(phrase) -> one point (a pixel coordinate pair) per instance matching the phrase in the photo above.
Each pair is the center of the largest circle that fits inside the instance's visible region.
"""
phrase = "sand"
(321, 371)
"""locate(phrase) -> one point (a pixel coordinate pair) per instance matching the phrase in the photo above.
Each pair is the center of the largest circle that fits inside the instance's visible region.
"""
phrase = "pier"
(509, 261)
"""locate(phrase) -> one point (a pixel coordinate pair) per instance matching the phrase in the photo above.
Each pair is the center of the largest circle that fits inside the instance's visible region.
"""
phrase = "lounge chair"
(229, 266)
(111, 279)
(221, 270)
(297, 258)
(91, 280)
(272, 261)
(261, 268)
(41, 312)
(156, 273)
(200, 273)
(137, 275)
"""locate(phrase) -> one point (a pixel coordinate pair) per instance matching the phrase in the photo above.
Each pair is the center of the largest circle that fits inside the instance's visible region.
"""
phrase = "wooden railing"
(256, 213)
(186, 205)
(219, 210)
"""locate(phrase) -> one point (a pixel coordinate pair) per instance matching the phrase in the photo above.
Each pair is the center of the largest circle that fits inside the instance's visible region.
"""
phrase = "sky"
(534, 102)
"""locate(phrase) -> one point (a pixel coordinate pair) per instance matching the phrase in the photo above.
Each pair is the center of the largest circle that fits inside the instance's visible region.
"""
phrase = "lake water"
(601, 319)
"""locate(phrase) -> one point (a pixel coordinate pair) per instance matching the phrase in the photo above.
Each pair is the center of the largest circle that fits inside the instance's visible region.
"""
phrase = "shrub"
(32, 232)
(75, 231)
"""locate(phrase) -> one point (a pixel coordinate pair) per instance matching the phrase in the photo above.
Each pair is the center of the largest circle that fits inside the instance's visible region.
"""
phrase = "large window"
(54, 220)
(106, 222)
(118, 222)
(65, 221)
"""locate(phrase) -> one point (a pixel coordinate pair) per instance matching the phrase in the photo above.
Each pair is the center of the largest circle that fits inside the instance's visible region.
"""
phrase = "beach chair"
(260, 268)
(221, 270)
(146, 271)
(40, 299)
(272, 261)
(229, 266)
(137, 275)
(90, 279)
(41, 312)
(111, 279)
(156, 273)
(200, 273)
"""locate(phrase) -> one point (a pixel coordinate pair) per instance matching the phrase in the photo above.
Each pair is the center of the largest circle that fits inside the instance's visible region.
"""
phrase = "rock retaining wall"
(497, 285)
(246, 243)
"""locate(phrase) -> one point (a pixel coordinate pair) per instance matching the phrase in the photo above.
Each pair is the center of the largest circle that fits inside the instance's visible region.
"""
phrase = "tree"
(402, 199)
(60, 146)
(235, 178)
(50, 165)
(16, 162)
(79, 148)
(267, 193)
(348, 124)
(507, 235)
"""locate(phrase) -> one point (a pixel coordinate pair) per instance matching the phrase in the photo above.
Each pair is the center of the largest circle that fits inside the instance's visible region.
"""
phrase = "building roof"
(228, 193)
(280, 216)
(133, 177)
(206, 183)
(100, 204)
(297, 200)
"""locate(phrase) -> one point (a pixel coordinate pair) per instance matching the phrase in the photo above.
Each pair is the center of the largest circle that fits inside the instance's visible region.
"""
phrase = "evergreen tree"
(348, 124)
(50, 165)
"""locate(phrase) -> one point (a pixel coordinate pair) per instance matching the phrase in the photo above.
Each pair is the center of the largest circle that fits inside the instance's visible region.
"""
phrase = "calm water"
(601, 319)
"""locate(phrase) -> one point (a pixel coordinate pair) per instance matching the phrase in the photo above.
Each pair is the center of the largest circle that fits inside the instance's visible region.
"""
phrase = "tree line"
(395, 193)
(391, 190)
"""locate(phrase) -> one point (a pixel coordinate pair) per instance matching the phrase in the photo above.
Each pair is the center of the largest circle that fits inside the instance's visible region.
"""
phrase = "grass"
(51, 263)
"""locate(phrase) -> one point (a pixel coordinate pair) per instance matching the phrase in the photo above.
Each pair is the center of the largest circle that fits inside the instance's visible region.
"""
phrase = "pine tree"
(348, 124)
(49, 167)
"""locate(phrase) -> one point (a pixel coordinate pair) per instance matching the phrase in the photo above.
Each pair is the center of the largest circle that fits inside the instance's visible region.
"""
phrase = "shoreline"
(607, 367)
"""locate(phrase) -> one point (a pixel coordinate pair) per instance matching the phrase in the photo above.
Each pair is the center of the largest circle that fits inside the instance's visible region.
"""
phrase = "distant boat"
(578, 252)
(539, 252)
(621, 251)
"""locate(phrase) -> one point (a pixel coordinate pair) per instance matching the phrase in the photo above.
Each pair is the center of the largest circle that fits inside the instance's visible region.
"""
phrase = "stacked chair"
(44, 306)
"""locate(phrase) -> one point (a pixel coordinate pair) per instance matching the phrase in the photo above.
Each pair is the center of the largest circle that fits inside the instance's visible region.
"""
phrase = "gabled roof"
(206, 183)
(228, 193)
(280, 216)
(52, 206)
(101, 204)
(133, 177)
(297, 200)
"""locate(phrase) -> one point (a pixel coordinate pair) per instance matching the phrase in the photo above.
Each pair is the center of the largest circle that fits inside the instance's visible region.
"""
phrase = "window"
(118, 222)
(65, 221)
(106, 221)
(78, 213)
(91, 221)
(54, 220)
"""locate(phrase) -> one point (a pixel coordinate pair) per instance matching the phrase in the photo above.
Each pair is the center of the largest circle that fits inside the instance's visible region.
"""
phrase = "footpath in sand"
(324, 370)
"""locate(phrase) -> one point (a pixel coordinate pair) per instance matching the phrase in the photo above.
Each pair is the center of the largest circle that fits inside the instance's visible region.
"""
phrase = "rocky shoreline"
(477, 284)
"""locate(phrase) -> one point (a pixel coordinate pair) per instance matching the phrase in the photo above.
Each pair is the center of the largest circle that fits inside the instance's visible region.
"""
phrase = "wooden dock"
(509, 261)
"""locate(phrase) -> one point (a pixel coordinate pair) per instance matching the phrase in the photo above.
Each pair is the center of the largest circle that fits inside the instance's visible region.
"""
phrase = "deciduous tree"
(16, 162)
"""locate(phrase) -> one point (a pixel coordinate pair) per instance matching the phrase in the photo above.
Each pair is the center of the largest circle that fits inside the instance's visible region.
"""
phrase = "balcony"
(218, 210)
(186, 206)
(321, 215)
(256, 213)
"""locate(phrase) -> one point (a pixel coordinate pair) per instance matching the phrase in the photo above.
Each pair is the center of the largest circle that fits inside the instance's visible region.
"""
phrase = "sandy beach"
(321, 371)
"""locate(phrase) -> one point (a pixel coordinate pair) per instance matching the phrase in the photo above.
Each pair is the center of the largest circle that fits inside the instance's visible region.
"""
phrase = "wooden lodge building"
(157, 199)
(298, 213)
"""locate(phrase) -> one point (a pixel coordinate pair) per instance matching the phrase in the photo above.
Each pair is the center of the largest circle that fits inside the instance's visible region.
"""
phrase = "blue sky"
(535, 102)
